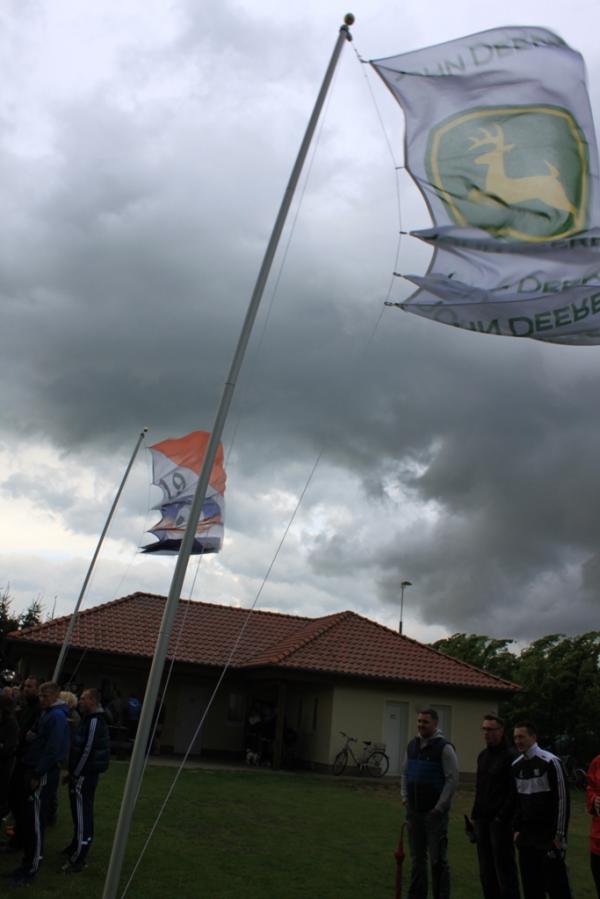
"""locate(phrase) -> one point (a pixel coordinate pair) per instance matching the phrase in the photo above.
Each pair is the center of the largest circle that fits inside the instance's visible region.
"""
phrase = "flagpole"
(69, 634)
(137, 757)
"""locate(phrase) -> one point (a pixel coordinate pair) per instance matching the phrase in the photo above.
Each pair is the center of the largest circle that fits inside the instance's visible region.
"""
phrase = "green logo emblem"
(519, 172)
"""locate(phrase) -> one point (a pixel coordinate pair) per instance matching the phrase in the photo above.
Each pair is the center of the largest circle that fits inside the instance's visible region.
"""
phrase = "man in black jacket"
(90, 755)
(28, 712)
(542, 818)
(493, 811)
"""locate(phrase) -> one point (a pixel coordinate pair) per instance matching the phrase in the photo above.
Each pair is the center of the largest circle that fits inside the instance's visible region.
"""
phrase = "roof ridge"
(144, 594)
(293, 642)
(447, 655)
(438, 652)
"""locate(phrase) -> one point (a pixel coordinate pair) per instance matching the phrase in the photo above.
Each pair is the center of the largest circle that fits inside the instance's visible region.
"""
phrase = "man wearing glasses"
(493, 811)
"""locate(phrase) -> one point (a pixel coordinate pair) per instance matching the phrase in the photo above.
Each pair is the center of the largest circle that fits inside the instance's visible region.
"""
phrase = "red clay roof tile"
(208, 634)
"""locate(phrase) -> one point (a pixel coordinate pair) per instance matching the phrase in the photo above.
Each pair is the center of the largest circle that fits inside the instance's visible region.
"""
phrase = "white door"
(395, 733)
(191, 703)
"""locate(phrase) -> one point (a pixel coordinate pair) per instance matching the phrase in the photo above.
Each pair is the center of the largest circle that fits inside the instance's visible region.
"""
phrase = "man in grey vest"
(429, 780)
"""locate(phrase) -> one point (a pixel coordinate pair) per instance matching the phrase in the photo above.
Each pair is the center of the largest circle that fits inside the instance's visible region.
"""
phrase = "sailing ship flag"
(500, 140)
(176, 467)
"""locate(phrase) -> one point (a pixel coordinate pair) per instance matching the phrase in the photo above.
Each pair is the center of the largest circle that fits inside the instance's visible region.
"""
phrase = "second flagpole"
(136, 766)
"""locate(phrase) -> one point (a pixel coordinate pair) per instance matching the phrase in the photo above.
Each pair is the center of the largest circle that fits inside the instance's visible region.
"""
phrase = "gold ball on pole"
(349, 19)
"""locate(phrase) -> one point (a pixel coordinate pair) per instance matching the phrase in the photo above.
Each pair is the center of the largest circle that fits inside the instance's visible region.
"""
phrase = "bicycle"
(373, 760)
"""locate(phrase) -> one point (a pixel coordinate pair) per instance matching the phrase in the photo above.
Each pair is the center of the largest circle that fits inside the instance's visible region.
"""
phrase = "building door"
(191, 702)
(395, 733)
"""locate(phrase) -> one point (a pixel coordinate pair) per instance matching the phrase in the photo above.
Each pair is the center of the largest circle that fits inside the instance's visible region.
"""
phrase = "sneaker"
(77, 868)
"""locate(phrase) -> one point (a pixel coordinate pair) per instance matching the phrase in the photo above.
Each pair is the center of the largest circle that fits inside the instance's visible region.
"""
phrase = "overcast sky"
(144, 150)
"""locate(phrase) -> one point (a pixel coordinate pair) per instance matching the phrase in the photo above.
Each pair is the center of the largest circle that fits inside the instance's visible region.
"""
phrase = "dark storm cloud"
(466, 463)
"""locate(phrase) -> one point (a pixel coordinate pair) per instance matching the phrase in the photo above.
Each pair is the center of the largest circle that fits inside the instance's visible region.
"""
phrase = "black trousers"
(543, 875)
(595, 865)
(17, 798)
(35, 816)
(81, 796)
(497, 864)
(6, 769)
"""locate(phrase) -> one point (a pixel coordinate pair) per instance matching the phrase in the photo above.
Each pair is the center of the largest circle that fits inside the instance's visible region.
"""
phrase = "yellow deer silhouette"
(500, 188)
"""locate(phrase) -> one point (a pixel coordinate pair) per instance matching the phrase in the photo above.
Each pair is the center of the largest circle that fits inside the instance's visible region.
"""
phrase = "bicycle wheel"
(341, 760)
(377, 763)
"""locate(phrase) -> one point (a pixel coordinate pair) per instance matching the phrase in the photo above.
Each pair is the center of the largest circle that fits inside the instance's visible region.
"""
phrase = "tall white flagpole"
(139, 749)
(69, 634)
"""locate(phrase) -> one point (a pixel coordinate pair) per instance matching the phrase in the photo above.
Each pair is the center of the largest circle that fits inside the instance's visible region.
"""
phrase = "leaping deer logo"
(502, 189)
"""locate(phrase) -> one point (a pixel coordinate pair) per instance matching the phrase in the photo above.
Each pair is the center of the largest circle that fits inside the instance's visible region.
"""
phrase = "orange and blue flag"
(176, 466)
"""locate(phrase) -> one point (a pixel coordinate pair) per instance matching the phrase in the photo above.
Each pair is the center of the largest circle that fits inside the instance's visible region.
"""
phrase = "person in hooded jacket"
(593, 807)
(89, 757)
(47, 746)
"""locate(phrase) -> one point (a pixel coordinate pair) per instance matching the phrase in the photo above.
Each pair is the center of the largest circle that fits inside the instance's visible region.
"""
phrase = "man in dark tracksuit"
(428, 784)
(90, 755)
(27, 715)
(48, 746)
(493, 812)
(542, 818)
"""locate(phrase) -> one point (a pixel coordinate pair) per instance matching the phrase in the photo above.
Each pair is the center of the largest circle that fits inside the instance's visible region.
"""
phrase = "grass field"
(265, 835)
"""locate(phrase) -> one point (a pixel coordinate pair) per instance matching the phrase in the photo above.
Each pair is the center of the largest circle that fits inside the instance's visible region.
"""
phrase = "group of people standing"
(521, 806)
(41, 734)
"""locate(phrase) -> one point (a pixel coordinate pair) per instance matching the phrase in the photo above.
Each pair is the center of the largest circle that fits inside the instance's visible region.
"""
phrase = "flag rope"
(397, 168)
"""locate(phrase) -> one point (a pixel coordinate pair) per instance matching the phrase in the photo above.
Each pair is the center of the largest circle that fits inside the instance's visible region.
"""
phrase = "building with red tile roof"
(305, 679)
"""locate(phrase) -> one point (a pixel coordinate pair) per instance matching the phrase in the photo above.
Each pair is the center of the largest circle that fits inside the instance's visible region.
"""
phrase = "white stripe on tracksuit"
(37, 824)
(80, 822)
(87, 748)
(79, 816)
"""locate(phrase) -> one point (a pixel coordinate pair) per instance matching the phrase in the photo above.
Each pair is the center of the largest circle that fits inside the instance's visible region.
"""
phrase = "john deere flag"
(500, 140)
(176, 466)
(522, 289)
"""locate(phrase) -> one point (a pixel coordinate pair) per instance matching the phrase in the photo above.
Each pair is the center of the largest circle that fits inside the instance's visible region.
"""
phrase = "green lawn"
(264, 835)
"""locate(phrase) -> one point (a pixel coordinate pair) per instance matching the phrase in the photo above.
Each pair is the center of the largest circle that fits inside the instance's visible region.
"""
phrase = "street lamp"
(402, 586)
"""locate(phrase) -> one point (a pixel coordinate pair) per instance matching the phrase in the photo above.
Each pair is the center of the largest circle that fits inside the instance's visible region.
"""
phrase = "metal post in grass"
(136, 767)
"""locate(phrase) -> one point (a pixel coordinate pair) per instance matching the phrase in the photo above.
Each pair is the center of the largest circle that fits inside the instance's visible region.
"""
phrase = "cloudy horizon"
(144, 150)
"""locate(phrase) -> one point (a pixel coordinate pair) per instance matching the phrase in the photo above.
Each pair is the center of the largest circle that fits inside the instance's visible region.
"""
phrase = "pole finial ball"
(349, 19)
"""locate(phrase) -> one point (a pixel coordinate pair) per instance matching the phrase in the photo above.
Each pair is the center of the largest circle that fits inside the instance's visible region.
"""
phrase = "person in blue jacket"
(47, 747)
(89, 757)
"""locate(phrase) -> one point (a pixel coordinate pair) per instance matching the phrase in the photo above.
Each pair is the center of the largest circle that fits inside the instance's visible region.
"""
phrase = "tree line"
(9, 621)
(559, 678)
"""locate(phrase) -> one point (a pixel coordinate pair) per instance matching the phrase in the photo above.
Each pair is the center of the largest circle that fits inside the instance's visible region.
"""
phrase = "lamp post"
(402, 586)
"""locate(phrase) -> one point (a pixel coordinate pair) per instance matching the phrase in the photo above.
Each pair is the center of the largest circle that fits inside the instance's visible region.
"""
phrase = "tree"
(8, 622)
(487, 653)
(32, 614)
(560, 677)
